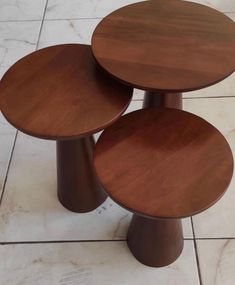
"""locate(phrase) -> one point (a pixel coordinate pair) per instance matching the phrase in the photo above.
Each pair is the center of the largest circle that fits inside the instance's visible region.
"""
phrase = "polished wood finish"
(168, 100)
(60, 93)
(79, 189)
(169, 46)
(164, 163)
(153, 242)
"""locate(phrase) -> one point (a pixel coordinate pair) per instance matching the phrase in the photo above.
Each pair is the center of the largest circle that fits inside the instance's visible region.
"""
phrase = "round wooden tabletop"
(168, 46)
(163, 163)
(60, 93)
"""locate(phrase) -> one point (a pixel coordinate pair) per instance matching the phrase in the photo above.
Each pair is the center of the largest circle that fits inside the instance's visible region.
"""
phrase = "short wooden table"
(163, 165)
(59, 93)
(166, 48)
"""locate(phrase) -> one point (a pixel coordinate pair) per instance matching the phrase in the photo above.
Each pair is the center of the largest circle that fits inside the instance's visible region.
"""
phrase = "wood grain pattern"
(163, 163)
(171, 46)
(60, 93)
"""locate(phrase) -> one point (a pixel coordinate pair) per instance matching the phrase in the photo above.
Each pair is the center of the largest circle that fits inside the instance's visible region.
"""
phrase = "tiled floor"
(43, 243)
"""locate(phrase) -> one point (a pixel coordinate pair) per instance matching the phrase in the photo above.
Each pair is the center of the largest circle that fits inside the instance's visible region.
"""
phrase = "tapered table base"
(78, 187)
(155, 243)
(169, 100)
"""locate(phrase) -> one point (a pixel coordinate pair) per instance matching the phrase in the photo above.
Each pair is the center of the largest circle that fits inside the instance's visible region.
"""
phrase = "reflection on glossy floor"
(54, 246)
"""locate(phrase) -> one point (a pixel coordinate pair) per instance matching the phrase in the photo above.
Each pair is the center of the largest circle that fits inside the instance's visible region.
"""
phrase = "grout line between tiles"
(99, 240)
(218, 238)
(40, 31)
(14, 143)
(194, 98)
(204, 97)
(20, 21)
(196, 253)
(67, 241)
(71, 19)
(8, 168)
(59, 241)
(94, 18)
(67, 19)
(49, 20)
(75, 19)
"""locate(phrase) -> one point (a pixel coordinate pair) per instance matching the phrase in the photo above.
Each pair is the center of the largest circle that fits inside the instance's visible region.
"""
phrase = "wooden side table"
(166, 48)
(59, 93)
(163, 165)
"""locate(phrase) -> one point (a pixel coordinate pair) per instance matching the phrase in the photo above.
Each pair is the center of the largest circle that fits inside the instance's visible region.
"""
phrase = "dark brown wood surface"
(172, 46)
(60, 93)
(168, 100)
(154, 242)
(79, 189)
(163, 163)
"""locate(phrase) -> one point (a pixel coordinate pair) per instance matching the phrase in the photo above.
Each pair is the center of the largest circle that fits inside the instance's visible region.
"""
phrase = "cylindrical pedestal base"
(169, 100)
(78, 187)
(155, 243)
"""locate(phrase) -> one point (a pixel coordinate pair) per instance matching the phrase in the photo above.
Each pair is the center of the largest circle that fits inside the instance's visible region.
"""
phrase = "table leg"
(155, 243)
(170, 100)
(78, 187)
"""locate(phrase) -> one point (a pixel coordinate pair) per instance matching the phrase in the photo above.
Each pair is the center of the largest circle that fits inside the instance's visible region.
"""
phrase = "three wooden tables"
(161, 164)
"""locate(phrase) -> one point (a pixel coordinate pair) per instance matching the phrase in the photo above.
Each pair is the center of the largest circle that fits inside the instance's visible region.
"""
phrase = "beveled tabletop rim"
(64, 137)
(164, 217)
(160, 90)
(165, 90)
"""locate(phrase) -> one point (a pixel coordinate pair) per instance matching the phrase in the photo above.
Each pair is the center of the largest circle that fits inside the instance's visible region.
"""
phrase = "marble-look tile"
(3, 70)
(21, 10)
(138, 94)
(30, 210)
(231, 15)
(187, 228)
(216, 259)
(17, 40)
(59, 9)
(7, 136)
(135, 105)
(96, 263)
(221, 5)
(67, 31)
(218, 220)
